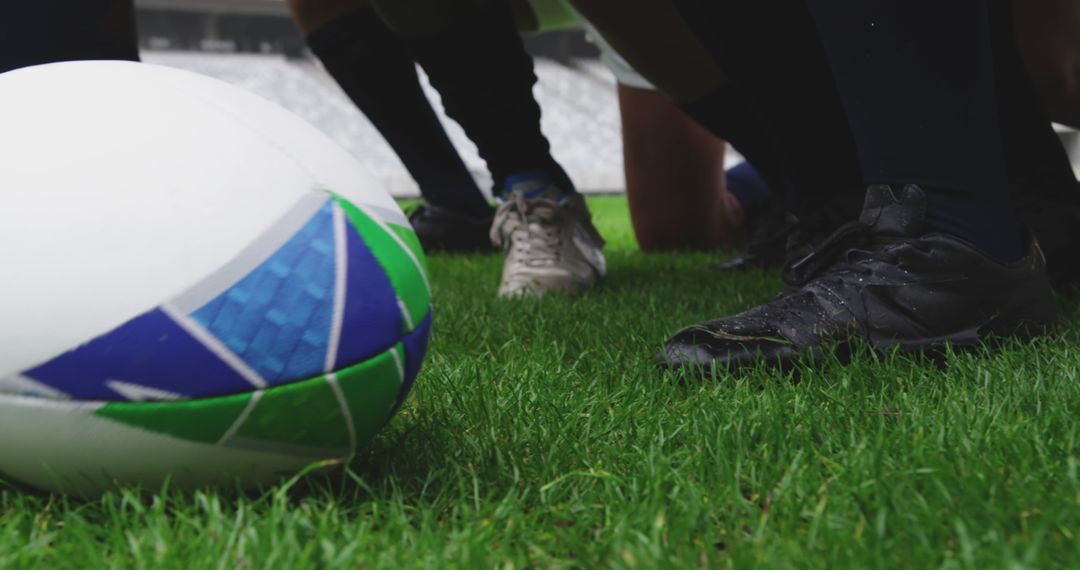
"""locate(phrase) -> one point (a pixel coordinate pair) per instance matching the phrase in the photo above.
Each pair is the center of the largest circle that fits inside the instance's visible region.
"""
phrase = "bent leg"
(475, 58)
(375, 70)
(654, 39)
(674, 177)
(773, 54)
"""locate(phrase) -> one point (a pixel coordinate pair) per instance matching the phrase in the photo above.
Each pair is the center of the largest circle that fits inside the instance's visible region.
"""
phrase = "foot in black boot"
(883, 280)
(775, 237)
(443, 229)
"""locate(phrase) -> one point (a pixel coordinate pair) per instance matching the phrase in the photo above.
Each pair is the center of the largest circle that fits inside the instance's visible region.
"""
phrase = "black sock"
(918, 85)
(748, 186)
(373, 67)
(485, 78)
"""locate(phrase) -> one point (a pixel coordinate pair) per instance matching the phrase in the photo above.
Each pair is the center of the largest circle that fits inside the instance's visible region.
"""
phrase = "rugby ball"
(196, 286)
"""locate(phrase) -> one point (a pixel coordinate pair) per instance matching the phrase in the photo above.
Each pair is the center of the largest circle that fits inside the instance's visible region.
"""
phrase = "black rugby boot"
(776, 237)
(883, 280)
(443, 229)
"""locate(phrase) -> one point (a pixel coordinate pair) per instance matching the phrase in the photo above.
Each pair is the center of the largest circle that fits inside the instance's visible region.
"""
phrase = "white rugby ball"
(195, 285)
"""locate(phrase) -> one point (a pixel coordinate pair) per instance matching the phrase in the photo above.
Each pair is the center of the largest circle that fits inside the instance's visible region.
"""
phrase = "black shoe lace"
(844, 250)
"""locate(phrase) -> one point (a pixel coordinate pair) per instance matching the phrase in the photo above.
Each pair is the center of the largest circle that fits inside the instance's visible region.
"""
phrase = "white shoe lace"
(530, 227)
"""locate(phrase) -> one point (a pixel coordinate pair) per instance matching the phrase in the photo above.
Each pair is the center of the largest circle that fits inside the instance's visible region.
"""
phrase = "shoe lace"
(530, 227)
(846, 249)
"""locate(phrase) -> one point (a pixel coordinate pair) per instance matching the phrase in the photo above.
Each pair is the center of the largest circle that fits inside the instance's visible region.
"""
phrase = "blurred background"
(255, 45)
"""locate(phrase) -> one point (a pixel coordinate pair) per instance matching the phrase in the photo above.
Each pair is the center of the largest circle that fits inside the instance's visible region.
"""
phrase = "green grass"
(540, 435)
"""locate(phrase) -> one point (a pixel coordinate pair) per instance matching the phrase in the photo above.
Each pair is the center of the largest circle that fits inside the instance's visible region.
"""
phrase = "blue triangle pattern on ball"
(371, 322)
(149, 357)
(416, 345)
(275, 325)
(277, 319)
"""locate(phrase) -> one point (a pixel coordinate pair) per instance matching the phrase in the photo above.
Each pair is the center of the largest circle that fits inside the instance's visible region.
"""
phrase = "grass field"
(540, 435)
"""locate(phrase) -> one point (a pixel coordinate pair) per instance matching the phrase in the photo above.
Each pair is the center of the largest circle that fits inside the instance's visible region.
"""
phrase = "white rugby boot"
(550, 243)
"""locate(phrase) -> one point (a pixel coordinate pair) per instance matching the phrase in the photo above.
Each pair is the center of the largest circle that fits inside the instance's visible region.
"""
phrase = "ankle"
(535, 183)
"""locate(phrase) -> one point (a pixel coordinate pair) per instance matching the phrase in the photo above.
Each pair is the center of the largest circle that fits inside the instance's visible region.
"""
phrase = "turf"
(540, 435)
